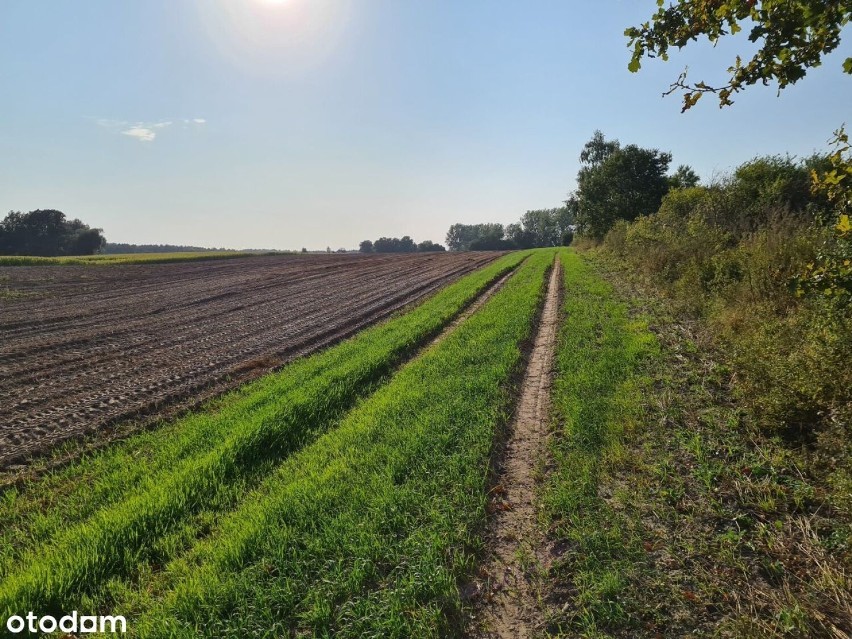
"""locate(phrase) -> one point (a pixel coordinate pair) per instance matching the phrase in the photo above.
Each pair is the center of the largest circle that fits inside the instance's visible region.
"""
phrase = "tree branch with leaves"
(793, 36)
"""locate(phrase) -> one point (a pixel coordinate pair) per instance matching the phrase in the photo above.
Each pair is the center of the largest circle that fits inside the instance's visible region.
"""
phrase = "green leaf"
(847, 65)
(634, 65)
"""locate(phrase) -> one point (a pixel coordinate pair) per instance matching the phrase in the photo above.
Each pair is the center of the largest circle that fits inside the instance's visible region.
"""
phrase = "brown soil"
(507, 591)
(88, 347)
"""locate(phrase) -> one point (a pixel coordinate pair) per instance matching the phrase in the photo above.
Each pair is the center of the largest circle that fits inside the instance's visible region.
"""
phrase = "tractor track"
(505, 593)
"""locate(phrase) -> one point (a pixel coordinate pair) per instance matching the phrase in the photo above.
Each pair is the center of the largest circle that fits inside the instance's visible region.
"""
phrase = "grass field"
(127, 258)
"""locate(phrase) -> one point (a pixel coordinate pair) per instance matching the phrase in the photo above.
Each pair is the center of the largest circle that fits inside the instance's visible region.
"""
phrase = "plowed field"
(84, 347)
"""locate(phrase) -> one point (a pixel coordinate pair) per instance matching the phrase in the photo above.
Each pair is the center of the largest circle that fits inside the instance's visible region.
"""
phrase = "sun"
(275, 37)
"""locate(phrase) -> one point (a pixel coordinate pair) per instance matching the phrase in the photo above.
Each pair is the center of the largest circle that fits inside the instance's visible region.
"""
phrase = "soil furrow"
(109, 358)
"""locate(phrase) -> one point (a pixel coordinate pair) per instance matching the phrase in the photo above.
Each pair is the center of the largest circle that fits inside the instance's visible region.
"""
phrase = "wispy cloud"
(142, 131)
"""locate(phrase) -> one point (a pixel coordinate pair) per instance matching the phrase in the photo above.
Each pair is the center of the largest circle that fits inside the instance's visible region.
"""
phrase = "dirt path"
(508, 598)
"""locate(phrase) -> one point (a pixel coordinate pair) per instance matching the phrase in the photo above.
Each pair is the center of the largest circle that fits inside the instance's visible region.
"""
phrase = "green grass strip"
(139, 495)
(366, 532)
(597, 399)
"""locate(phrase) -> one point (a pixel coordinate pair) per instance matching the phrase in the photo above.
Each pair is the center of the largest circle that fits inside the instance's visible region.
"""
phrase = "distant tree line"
(47, 233)
(121, 247)
(402, 244)
(537, 228)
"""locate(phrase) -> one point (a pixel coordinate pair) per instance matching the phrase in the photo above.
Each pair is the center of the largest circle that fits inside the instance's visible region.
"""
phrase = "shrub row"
(747, 254)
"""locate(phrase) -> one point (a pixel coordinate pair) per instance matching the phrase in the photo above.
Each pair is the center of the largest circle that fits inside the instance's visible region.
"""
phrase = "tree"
(428, 246)
(536, 228)
(35, 233)
(830, 274)
(406, 245)
(492, 244)
(541, 226)
(517, 235)
(394, 245)
(620, 183)
(366, 246)
(598, 149)
(572, 210)
(564, 218)
(47, 233)
(460, 236)
(386, 245)
(544, 227)
(773, 181)
(684, 178)
(86, 242)
(792, 36)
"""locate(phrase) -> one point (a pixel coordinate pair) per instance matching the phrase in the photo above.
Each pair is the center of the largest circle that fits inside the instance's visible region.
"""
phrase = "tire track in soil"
(505, 593)
(478, 303)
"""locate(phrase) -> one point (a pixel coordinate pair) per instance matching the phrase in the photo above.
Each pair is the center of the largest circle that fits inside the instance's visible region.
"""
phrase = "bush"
(734, 254)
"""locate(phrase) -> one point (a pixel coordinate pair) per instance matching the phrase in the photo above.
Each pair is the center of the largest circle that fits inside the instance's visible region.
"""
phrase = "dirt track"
(508, 606)
(86, 347)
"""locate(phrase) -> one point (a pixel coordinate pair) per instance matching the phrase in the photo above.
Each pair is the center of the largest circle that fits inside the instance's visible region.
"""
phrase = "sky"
(319, 123)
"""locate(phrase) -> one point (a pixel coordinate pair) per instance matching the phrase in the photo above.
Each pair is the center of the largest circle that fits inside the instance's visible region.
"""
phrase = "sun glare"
(275, 36)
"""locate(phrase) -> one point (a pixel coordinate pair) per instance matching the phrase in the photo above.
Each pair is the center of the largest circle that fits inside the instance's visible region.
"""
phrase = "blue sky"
(254, 123)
